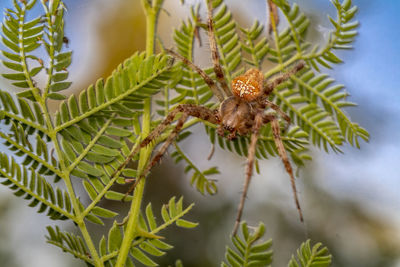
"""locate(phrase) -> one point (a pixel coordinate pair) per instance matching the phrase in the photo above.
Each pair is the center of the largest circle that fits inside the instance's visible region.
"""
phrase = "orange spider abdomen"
(248, 86)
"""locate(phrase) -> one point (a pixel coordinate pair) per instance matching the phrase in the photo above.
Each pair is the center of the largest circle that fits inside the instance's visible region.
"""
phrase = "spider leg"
(214, 51)
(270, 85)
(187, 110)
(283, 155)
(249, 167)
(220, 130)
(266, 103)
(275, 107)
(213, 86)
(160, 152)
(154, 134)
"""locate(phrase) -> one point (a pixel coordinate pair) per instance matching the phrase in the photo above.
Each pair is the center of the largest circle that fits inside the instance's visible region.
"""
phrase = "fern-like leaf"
(122, 93)
(258, 49)
(341, 38)
(147, 243)
(28, 113)
(32, 186)
(249, 250)
(21, 37)
(37, 156)
(333, 99)
(316, 256)
(60, 60)
(313, 119)
(227, 39)
(68, 243)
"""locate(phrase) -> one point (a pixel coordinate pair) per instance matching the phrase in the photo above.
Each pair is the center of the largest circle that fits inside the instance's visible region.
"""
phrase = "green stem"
(22, 54)
(96, 261)
(276, 38)
(51, 48)
(151, 12)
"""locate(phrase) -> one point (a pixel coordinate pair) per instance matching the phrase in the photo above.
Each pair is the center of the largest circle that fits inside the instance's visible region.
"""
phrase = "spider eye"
(249, 85)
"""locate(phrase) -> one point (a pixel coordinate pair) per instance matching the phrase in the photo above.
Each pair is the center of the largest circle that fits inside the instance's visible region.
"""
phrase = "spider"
(241, 111)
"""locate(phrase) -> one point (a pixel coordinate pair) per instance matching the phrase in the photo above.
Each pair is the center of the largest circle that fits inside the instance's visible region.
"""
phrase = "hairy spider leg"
(249, 166)
(156, 132)
(200, 112)
(275, 107)
(160, 152)
(269, 86)
(283, 155)
(214, 51)
(207, 79)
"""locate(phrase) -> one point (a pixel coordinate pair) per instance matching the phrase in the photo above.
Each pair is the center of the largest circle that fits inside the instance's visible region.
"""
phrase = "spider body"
(242, 111)
(236, 115)
(237, 112)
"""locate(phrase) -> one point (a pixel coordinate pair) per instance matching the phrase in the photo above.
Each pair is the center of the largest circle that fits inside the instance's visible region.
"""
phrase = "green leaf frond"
(21, 38)
(321, 90)
(68, 243)
(59, 59)
(315, 106)
(95, 159)
(253, 45)
(291, 44)
(312, 118)
(341, 38)
(147, 243)
(307, 256)
(29, 184)
(199, 178)
(227, 39)
(25, 133)
(23, 111)
(37, 156)
(249, 250)
(137, 79)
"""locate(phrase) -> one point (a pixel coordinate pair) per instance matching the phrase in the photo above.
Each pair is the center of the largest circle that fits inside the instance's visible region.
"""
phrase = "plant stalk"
(151, 11)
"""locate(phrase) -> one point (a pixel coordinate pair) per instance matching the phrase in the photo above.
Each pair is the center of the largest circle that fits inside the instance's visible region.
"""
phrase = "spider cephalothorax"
(241, 111)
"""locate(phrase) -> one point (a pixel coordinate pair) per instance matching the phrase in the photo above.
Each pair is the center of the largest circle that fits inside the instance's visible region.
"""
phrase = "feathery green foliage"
(313, 257)
(249, 251)
(90, 136)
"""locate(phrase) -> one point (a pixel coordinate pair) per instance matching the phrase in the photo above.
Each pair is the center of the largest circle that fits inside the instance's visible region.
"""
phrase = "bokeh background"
(351, 201)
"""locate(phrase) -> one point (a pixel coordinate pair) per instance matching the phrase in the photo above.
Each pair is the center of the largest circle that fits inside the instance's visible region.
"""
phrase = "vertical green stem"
(276, 37)
(151, 11)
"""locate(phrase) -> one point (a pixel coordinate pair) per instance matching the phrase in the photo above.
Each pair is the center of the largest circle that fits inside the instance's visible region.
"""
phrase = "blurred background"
(351, 201)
